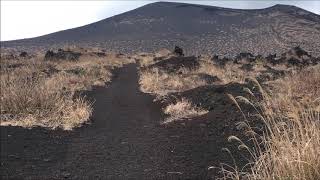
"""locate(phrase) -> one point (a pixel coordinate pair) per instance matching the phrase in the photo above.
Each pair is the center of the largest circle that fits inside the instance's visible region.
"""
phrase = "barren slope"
(199, 29)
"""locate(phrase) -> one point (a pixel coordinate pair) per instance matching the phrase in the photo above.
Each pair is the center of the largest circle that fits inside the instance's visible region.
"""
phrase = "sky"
(26, 19)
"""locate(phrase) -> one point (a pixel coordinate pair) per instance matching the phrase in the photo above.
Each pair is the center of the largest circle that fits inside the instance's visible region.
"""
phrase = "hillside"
(198, 29)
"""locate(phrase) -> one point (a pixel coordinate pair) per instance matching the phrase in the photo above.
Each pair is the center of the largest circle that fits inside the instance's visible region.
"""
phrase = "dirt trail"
(123, 141)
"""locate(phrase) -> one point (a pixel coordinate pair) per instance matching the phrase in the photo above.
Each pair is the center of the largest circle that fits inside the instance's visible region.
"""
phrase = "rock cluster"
(294, 57)
(175, 63)
(62, 55)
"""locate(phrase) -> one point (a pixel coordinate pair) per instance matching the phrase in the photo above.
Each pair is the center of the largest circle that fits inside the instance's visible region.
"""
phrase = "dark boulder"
(270, 74)
(156, 59)
(220, 61)
(298, 51)
(294, 61)
(208, 78)
(247, 67)
(215, 58)
(62, 55)
(23, 54)
(178, 51)
(100, 54)
(315, 61)
(174, 64)
(272, 58)
(120, 55)
(245, 57)
(297, 57)
(49, 55)
(210, 97)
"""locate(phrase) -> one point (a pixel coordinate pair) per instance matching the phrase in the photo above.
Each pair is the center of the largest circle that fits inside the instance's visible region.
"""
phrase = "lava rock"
(211, 97)
(208, 78)
(62, 55)
(178, 51)
(174, 64)
(245, 57)
(23, 54)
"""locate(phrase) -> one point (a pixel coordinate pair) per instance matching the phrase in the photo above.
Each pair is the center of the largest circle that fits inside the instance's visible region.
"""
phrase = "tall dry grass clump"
(28, 99)
(182, 109)
(36, 92)
(289, 146)
(162, 83)
(230, 72)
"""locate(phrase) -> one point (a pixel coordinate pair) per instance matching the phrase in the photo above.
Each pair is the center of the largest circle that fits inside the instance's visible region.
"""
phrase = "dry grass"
(31, 95)
(229, 73)
(289, 147)
(146, 59)
(181, 110)
(160, 83)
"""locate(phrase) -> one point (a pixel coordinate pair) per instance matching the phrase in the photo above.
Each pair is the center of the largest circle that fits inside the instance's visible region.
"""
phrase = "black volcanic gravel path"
(124, 141)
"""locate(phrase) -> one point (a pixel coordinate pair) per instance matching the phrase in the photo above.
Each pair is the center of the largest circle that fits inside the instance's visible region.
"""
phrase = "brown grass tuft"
(182, 109)
(41, 93)
(160, 83)
(291, 140)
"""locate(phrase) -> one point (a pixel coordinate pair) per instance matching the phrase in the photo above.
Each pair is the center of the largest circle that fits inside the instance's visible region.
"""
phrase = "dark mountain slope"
(197, 28)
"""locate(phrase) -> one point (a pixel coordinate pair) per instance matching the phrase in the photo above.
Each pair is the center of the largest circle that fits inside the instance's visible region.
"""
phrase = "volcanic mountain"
(198, 29)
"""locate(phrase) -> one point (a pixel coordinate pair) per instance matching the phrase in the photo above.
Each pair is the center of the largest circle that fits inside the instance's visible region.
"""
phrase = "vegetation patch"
(182, 109)
(38, 92)
(288, 146)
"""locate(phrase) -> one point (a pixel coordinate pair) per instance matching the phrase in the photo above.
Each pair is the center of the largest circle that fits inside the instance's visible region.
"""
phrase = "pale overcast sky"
(25, 19)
